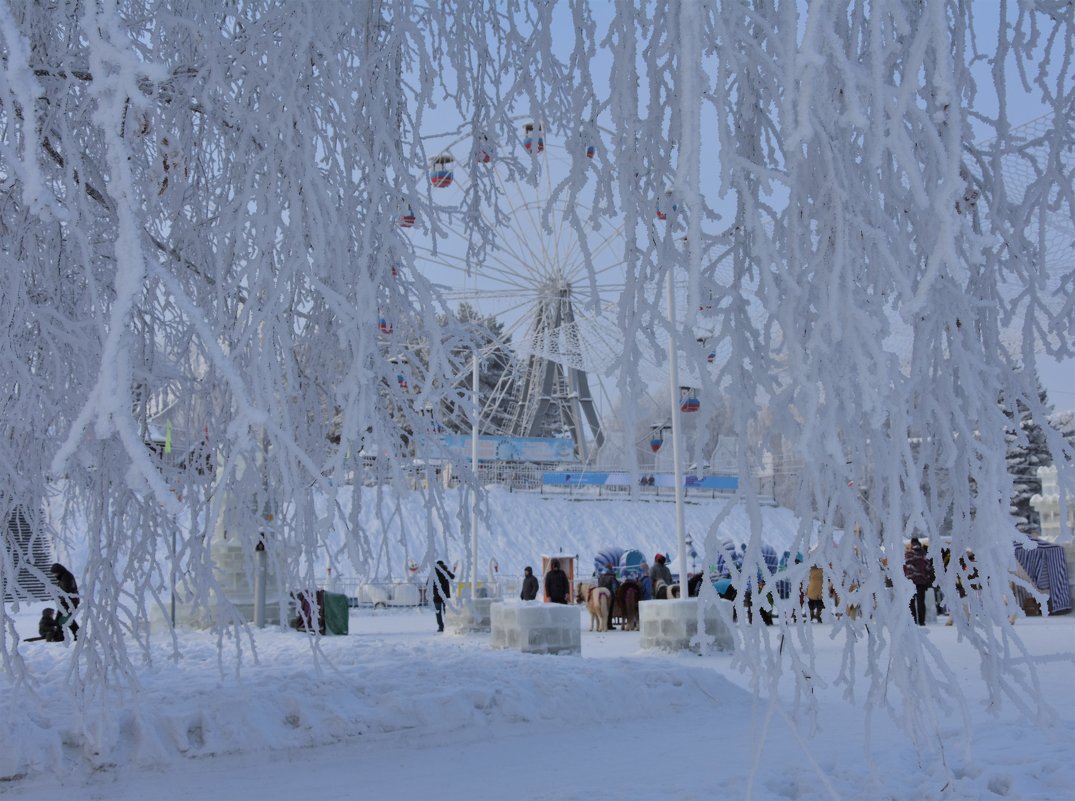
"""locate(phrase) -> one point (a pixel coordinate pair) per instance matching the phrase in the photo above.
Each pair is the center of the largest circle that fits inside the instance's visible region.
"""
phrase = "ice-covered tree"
(1026, 452)
(204, 202)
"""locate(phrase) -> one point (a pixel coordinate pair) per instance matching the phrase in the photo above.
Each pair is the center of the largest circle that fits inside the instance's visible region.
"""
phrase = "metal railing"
(387, 593)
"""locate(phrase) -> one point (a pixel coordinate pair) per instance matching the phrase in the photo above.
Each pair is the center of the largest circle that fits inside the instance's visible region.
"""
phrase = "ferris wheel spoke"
(616, 235)
(595, 290)
(515, 245)
(467, 295)
(525, 213)
(503, 273)
(523, 266)
(578, 266)
(444, 259)
(562, 221)
(503, 254)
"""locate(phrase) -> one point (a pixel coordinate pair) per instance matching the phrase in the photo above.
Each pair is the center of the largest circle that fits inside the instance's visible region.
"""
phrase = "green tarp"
(336, 613)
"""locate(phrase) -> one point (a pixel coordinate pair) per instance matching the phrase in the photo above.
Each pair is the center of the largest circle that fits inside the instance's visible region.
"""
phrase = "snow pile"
(361, 686)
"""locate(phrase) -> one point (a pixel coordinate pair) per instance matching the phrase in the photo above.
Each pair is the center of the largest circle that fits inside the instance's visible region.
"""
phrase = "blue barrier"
(586, 478)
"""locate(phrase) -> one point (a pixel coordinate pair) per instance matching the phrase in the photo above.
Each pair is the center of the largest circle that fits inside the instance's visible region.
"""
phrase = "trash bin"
(333, 612)
(337, 613)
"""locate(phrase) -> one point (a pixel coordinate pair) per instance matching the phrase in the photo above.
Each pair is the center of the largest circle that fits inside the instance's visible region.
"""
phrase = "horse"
(627, 597)
(597, 600)
(694, 584)
(665, 592)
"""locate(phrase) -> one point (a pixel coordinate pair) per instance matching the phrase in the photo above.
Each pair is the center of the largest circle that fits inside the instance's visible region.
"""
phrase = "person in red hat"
(660, 572)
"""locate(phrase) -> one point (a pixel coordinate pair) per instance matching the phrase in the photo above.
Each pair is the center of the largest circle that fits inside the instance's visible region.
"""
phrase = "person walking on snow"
(815, 593)
(918, 567)
(442, 590)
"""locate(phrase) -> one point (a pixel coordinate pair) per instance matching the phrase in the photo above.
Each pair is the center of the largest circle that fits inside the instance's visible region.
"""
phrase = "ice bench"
(534, 627)
(468, 615)
(671, 625)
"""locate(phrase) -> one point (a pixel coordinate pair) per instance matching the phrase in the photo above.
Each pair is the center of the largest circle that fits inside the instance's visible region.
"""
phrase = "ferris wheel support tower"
(560, 386)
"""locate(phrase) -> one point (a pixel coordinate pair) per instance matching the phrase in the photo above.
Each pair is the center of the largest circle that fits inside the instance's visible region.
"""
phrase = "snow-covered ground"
(396, 711)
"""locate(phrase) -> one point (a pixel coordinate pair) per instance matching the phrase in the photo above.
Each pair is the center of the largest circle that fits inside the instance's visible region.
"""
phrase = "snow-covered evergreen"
(1027, 451)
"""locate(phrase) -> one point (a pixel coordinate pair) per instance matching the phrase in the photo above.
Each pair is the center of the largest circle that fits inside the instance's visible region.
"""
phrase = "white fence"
(390, 594)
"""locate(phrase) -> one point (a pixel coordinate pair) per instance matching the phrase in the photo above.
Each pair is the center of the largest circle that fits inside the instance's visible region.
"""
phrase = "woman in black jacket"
(441, 590)
(69, 601)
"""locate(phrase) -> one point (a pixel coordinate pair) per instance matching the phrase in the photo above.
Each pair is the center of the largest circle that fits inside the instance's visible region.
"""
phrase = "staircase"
(26, 545)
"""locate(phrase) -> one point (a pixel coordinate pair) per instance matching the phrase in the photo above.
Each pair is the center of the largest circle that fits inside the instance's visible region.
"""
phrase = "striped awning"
(1048, 569)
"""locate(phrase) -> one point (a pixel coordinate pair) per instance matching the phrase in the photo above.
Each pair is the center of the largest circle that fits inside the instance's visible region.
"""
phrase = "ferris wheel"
(549, 277)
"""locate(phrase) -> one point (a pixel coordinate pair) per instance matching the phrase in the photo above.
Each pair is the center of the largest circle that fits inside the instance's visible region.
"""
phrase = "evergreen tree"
(1027, 451)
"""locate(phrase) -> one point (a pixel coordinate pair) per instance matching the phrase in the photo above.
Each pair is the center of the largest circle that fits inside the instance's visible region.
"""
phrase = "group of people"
(558, 586)
(917, 567)
(50, 627)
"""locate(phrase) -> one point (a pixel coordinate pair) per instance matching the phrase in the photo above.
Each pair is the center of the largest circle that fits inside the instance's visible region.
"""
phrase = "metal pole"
(260, 576)
(174, 524)
(474, 469)
(677, 466)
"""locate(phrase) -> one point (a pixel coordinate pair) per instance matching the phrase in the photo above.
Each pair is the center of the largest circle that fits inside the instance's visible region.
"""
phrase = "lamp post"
(474, 469)
(677, 462)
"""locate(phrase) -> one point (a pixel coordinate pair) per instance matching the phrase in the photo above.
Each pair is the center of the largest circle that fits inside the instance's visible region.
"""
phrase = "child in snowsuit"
(47, 628)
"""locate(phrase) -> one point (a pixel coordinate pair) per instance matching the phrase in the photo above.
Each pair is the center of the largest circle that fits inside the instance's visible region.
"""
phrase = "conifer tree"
(1027, 451)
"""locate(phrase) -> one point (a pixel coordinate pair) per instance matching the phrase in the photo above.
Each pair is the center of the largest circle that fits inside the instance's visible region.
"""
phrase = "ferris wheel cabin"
(440, 171)
(533, 138)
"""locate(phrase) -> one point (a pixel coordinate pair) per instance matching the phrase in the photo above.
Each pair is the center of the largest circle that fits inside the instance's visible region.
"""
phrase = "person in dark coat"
(69, 601)
(530, 585)
(47, 628)
(660, 571)
(609, 581)
(646, 582)
(918, 567)
(557, 586)
(442, 590)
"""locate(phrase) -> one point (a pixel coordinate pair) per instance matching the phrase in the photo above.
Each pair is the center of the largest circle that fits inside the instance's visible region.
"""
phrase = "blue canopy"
(627, 563)
(734, 556)
(772, 561)
(606, 557)
(630, 566)
(730, 556)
